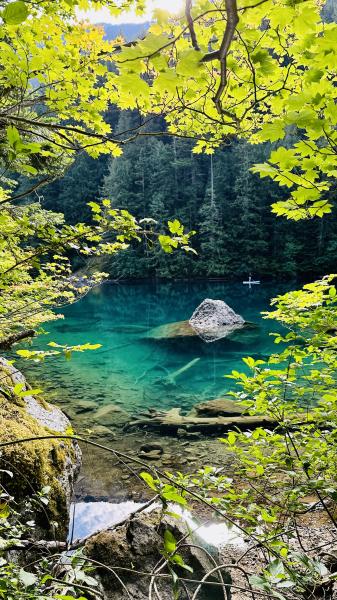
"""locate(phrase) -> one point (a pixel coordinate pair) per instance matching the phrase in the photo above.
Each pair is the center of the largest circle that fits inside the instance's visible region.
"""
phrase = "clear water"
(133, 371)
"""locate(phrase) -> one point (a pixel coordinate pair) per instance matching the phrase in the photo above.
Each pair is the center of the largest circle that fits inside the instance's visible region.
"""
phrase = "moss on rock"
(40, 463)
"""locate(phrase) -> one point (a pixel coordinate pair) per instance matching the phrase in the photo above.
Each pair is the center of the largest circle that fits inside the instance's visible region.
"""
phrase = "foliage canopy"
(263, 71)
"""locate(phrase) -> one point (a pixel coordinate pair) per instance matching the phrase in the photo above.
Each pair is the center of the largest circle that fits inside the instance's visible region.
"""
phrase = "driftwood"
(172, 420)
(172, 376)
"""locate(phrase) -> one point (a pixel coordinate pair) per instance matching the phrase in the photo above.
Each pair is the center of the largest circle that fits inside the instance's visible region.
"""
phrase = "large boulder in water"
(214, 319)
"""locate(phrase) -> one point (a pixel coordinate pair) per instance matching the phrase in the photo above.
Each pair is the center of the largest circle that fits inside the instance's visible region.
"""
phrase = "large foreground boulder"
(134, 550)
(214, 319)
(36, 464)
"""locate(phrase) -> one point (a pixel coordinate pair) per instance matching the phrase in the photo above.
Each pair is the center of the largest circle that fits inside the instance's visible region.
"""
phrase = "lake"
(134, 371)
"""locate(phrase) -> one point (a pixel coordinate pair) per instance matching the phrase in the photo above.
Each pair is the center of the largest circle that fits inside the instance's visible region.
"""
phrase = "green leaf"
(27, 579)
(68, 597)
(18, 388)
(260, 582)
(286, 583)
(249, 361)
(149, 480)
(170, 543)
(4, 510)
(173, 496)
(13, 135)
(95, 207)
(33, 392)
(259, 470)
(276, 567)
(175, 227)
(178, 559)
(15, 13)
(267, 517)
(231, 438)
(29, 169)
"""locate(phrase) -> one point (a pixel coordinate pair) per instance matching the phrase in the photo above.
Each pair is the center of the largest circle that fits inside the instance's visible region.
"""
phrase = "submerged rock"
(83, 406)
(214, 319)
(36, 464)
(180, 329)
(150, 446)
(109, 415)
(99, 431)
(221, 407)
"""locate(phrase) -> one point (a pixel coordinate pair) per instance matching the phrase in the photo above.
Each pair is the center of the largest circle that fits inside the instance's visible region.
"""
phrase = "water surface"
(133, 371)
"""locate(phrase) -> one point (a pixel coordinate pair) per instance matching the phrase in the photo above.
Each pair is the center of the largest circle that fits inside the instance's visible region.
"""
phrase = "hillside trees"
(239, 236)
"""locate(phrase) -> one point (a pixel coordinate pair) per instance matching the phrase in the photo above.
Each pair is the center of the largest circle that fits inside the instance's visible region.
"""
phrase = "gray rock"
(101, 431)
(83, 406)
(214, 319)
(150, 446)
(137, 545)
(150, 455)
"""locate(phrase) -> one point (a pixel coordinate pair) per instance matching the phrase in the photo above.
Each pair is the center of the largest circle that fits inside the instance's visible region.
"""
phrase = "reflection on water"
(133, 371)
(89, 517)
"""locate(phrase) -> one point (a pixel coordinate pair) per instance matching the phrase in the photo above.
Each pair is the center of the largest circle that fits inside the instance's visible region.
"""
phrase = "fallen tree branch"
(173, 420)
(8, 342)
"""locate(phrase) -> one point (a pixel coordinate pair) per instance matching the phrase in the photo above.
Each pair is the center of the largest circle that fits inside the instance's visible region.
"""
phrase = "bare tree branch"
(221, 54)
(8, 342)
(190, 23)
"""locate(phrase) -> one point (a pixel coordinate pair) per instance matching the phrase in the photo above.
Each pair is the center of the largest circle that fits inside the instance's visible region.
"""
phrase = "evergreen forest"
(216, 195)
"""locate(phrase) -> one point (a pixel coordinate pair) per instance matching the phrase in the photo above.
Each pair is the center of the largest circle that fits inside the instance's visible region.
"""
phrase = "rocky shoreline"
(132, 548)
(135, 544)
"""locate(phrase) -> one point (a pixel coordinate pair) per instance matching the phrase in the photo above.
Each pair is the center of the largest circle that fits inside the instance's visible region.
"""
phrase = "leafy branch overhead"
(263, 70)
(36, 272)
(275, 82)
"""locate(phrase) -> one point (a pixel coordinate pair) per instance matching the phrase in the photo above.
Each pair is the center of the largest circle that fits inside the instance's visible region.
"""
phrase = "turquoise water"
(133, 371)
